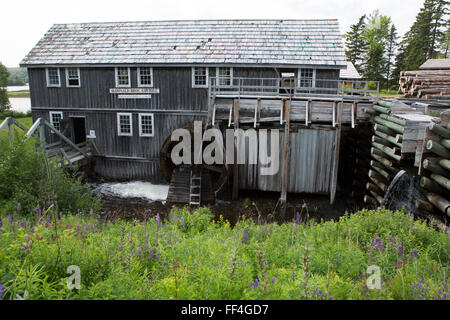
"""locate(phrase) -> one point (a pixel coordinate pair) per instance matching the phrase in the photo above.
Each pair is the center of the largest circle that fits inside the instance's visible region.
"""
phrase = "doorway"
(79, 129)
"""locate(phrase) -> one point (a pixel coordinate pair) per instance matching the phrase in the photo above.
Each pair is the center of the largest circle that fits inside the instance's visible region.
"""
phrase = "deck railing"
(292, 87)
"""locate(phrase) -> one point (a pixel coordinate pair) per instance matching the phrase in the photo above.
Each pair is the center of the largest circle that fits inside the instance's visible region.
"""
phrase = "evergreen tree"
(356, 44)
(390, 52)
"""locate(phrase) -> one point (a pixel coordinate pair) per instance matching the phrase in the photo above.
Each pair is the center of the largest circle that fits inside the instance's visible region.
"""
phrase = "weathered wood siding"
(131, 157)
(310, 161)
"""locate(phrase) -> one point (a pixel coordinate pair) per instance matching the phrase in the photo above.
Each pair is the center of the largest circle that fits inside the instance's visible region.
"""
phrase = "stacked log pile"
(435, 169)
(427, 84)
(385, 152)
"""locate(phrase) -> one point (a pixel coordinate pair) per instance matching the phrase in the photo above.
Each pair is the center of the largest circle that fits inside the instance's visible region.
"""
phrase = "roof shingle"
(271, 42)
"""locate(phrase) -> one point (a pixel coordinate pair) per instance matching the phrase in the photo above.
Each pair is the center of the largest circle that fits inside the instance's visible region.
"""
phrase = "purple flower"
(157, 219)
(381, 246)
(256, 283)
(139, 250)
(182, 222)
(415, 253)
(19, 207)
(400, 250)
(391, 240)
(331, 298)
(414, 227)
(1, 222)
(266, 262)
(244, 238)
(1, 291)
(175, 219)
(297, 218)
(38, 209)
(264, 229)
(150, 254)
(91, 212)
(23, 224)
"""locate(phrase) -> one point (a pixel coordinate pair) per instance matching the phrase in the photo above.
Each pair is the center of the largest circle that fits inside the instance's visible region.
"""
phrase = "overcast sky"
(23, 23)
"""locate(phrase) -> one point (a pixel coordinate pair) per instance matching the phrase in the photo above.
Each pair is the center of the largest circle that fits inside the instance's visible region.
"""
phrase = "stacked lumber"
(427, 84)
(435, 170)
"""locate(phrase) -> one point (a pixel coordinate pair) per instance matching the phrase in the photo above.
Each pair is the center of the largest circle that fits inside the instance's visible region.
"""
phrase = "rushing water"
(135, 189)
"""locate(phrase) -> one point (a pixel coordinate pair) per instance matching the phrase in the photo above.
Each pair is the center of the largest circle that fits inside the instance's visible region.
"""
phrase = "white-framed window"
(73, 77)
(124, 124)
(146, 125)
(55, 119)
(200, 77)
(53, 77)
(145, 76)
(123, 78)
(224, 76)
(306, 78)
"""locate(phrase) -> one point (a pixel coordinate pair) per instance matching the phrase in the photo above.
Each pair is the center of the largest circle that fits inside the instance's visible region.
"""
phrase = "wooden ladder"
(195, 187)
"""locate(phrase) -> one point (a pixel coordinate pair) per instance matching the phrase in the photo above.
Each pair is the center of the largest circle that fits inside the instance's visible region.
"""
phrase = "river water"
(135, 189)
(19, 104)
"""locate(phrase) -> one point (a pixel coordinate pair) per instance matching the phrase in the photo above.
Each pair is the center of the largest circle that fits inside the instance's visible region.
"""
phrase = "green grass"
(390, 93)
(26, 121)
(19, 94)
(191, 257)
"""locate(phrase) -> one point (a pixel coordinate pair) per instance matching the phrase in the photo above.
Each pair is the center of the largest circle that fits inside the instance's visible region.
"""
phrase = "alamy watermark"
(251, 147)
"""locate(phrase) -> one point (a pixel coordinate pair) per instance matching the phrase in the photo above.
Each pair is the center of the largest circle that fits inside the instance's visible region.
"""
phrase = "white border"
(117, 78)
(217, 77)
(140, 125)
(51, 118)
(47, 78)
(193, 78)
(67, 78)
(139, 77)
(119, 133)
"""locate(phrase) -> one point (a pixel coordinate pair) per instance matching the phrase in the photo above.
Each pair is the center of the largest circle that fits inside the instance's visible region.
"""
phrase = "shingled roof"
(436, 64)
(350, 72)
(261, 42)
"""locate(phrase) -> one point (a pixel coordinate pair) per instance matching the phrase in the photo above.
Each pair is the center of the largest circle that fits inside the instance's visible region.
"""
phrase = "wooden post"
(11, 131)
(337, 145)
(285, 175)
(235, 108)
(42, 131)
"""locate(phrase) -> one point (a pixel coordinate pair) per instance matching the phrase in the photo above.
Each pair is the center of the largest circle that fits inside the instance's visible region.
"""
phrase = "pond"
(20, 104)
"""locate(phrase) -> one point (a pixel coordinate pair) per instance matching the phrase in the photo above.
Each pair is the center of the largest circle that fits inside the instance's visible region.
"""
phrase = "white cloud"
(25, 22)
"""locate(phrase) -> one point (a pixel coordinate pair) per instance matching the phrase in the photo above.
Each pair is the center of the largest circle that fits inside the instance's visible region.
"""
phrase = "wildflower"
(439, 292)
(331, 298)
(400, 249)
(249, 284)
(91, 212)
(23, 224)
(139, 250)
(1, 222)
(381, 246)
(244, 238)
(414, 227)
(264, 230)
(19, 207)
(150, 254)
(391, 240)
(415, 253)
(38, 209)
(175, 219)
(256, 283)
(182, 222)
(266, 262)
(297, 218)
(1, 291)
(157, 220)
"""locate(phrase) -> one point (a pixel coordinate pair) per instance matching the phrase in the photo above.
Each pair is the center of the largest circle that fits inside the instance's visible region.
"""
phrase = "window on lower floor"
(146, 125)
(55, 119)
(73, 77)
(53, 77)
(199, 77)
(124, 124)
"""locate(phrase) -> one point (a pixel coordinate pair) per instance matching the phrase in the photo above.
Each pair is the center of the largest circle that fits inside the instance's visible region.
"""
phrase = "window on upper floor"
(53, 77)
(199, 77)
(123, 77)
(124, 124)
(145, 77)
(224, 76)
(146, 125)
(73, 77)
(306, 78)
(55, 119)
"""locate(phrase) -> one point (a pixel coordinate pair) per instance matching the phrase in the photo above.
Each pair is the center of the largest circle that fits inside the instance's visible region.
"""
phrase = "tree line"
(374, 47)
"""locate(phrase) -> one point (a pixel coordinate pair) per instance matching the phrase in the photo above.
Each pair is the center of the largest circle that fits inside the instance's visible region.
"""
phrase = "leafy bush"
(188, 256)
(29, 182)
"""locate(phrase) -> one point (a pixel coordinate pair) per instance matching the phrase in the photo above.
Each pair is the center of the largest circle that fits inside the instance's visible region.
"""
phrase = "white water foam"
(135, 189)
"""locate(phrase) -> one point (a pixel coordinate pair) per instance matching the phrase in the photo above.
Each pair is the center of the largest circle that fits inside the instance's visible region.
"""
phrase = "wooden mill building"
(127, 85)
